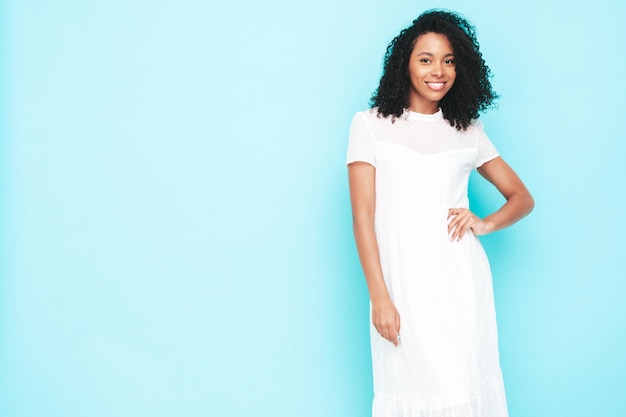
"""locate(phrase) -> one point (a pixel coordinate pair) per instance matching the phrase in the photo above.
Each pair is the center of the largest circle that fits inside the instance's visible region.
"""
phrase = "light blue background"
(176, 234)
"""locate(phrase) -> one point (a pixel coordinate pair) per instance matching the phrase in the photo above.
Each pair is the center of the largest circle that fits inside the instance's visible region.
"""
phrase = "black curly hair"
(471, 93)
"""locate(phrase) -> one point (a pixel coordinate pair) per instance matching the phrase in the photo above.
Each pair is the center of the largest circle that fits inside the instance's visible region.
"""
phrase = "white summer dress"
(447, 363)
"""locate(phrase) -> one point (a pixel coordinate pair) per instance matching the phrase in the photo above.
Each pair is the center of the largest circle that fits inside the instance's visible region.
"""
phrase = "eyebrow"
(430, 54)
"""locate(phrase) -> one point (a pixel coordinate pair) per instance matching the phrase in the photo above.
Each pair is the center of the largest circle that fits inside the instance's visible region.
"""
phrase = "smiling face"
(432, 72)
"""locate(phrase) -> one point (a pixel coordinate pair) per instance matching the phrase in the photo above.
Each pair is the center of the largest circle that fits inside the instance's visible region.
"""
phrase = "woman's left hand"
(464, 220)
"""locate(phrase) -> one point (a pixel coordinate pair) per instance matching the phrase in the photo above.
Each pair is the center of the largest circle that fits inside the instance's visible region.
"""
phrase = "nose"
(437, 69)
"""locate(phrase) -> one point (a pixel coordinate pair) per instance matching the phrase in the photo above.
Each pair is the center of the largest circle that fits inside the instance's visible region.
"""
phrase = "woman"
(433, 336)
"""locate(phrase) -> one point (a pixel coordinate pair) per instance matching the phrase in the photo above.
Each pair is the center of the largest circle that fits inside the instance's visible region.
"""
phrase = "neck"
(425, 110)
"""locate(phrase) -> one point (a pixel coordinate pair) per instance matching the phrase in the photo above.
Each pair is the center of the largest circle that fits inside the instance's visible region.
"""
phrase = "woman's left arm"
(518, 204)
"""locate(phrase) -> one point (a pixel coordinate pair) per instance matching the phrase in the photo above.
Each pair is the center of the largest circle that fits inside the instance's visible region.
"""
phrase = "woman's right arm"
(385, 317)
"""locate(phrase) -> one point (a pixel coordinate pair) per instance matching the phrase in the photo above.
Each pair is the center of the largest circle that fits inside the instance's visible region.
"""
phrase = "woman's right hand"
(362, 178)
(386, 320)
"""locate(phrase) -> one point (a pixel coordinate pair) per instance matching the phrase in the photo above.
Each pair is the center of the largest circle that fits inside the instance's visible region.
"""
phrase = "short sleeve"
(361, 142)
(486, 150)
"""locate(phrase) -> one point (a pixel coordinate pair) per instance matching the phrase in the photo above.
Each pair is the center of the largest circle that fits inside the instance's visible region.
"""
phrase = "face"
(432, 72)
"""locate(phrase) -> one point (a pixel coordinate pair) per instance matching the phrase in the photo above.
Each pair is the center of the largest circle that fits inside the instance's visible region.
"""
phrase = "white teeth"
(436, 86)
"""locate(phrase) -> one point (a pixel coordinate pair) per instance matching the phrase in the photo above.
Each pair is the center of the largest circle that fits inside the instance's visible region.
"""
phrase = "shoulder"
(476, 126)
(373, 119)
(368, 114)
(476, 130)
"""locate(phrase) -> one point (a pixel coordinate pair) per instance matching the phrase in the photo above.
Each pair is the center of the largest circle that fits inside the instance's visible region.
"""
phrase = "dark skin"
(433, 72)
(362, 179)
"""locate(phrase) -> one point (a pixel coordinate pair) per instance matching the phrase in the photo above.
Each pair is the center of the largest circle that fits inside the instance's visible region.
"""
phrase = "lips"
(437, 86)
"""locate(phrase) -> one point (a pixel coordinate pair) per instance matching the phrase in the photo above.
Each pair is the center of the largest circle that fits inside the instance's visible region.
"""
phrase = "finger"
(383, 332)
(464, 224)
(455, 217)
(452, 224)
(462, 228)
(452, 216)
(469, 225)
(397, 328)
(458, 231)
(389, 334)
(454, 211)
(380, 330)
(456, 225)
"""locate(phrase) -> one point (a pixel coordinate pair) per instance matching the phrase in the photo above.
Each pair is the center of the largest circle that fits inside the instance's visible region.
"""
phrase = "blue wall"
(176, 234)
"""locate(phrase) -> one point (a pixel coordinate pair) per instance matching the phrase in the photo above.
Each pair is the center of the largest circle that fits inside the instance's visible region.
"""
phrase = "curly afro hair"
(471, 93)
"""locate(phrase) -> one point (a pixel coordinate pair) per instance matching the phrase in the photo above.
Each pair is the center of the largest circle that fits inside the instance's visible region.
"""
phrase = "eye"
(449, 61)
(424, 60)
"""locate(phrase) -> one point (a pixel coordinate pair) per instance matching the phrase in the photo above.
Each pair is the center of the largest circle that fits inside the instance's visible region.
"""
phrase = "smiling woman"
(433, 334)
